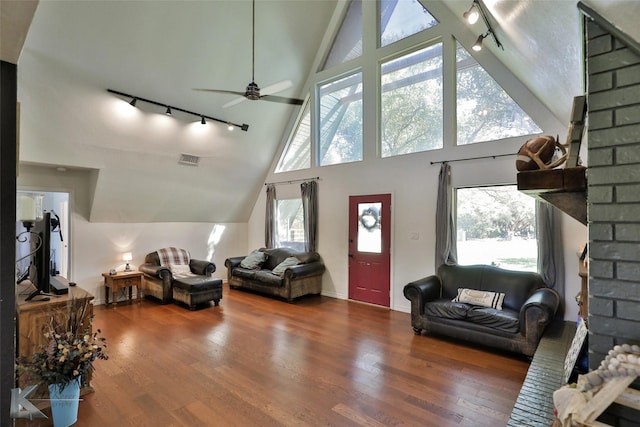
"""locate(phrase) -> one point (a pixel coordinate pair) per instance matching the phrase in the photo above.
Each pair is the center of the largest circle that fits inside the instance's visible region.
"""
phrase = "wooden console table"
(33, 316)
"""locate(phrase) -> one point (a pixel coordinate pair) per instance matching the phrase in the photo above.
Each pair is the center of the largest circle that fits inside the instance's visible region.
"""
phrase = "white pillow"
(254, 260)
(288, 262)
(482, 298)
(180, 269)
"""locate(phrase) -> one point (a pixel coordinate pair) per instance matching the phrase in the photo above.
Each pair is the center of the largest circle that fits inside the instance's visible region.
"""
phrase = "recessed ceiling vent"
(189, 159)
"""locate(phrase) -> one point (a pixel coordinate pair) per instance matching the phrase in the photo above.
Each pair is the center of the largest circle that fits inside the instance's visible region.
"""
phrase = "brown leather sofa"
(528, 307)
(160, 283)
(302, 279)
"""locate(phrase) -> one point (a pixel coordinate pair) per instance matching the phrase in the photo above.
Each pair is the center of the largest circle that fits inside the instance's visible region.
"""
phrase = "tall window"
(341, 121)
(348, 42)
(290, 225)
(411, 114)
(496, 226)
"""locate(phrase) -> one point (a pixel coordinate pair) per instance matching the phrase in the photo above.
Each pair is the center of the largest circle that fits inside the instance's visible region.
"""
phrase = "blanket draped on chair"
(173, 256)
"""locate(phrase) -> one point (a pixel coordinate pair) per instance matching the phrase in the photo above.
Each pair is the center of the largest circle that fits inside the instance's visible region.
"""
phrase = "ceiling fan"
(253, 91)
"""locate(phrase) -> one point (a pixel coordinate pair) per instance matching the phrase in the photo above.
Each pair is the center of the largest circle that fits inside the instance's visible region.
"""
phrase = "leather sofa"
(528, 306)
(298, 280)
(197, 288)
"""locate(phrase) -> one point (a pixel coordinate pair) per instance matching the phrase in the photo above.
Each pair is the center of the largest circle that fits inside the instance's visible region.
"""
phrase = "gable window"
(341, 120)
(348, 42)
(485, 112)
(411, 103)
(400, 19)
(496, 226)
(297, 153)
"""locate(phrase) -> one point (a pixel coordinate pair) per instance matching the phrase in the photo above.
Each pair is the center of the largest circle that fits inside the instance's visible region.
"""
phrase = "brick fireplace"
(613, 138)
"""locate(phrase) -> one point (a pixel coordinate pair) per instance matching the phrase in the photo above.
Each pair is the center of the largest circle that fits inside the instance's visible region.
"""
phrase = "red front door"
(370, 248)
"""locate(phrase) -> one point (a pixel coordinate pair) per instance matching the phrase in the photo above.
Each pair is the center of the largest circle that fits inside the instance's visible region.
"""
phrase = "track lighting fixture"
(477, 46)
(472, 14)
(170, 109)
(478, 9)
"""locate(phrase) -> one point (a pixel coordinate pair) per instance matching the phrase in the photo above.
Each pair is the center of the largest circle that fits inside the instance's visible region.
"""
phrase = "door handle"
(350, 255)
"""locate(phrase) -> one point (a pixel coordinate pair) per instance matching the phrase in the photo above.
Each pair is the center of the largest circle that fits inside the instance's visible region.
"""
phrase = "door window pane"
(341, 121)
(496, 226)
(412, 102)
(369, 227)
(402, 18)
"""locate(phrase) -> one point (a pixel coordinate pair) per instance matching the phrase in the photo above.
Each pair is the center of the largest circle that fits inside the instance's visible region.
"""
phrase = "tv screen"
(39, 273)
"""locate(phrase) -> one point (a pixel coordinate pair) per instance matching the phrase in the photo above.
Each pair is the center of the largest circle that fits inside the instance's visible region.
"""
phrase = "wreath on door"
(370, 218)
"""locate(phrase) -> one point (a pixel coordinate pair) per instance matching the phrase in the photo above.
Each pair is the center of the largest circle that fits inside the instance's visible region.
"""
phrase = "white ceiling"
(162, 50)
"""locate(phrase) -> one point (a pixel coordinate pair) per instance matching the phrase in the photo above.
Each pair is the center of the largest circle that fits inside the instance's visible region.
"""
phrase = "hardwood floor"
(257, 361)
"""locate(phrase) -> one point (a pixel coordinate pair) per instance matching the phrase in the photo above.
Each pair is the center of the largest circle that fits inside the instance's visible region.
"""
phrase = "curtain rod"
(315, 178)
(473, 158)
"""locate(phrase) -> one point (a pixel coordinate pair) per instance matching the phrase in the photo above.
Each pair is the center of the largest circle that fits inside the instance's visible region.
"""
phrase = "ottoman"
(195, 290)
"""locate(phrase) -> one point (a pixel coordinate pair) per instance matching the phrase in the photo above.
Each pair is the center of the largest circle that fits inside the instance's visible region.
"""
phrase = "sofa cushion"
(254, 260)
(265, 277)
(447, 309)
(288, 262)
(275, 257)
(244, 273)
(504, 320)
(482, 298)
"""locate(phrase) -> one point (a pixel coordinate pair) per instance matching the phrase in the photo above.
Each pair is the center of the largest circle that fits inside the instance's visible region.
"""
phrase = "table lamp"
(127, 257)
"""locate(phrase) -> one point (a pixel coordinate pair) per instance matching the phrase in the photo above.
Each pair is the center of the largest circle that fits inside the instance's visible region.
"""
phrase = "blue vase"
(64, 403)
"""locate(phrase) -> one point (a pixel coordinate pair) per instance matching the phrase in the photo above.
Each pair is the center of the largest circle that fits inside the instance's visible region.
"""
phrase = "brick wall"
(613, 99)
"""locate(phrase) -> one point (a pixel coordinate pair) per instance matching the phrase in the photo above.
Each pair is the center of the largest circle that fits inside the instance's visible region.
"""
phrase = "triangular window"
(485, 112)
(348, 42)
(297, 153)
(400, 19)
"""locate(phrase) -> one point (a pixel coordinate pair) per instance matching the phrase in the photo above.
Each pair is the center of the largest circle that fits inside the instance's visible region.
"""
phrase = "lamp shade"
(127, 256)
(29, 207)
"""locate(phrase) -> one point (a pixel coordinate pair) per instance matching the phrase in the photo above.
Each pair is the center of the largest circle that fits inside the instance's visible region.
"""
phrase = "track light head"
(203, 121)
(168, 112)
(477, 46)
(230, 126)
(133, 102)
(472, 14)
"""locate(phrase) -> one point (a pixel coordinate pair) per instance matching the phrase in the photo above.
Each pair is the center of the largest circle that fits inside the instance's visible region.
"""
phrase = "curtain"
(270, 218)
(550, 249)
(446, 252)
(310, 213)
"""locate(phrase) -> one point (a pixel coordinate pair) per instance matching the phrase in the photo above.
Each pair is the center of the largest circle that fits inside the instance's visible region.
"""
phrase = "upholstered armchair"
(162, 269)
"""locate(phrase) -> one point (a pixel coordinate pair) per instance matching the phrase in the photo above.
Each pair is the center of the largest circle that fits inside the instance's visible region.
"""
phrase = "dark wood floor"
(257, 361)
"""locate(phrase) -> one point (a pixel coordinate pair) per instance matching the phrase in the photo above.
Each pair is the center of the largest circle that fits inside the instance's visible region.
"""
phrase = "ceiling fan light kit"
(170, 109)
(252, 91)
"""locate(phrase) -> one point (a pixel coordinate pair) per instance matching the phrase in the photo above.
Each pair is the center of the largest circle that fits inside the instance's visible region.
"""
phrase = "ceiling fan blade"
(282, 99)
(276, 87)
(235, 101)
(232, 92)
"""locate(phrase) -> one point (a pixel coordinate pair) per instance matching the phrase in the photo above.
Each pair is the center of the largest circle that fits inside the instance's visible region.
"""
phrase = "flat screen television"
(39, 273)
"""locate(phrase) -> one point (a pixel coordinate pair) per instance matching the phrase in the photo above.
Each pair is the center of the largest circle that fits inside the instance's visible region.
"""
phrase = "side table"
(122, 279)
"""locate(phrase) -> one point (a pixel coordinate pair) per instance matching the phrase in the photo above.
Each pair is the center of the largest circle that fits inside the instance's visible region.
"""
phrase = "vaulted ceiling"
(75, 50)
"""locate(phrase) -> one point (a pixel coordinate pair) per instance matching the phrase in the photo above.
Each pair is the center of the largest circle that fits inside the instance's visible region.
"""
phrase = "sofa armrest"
(421, 291)
(202, 267)
(304, 270)
(154, 270)
(539, 309)
(233, 262)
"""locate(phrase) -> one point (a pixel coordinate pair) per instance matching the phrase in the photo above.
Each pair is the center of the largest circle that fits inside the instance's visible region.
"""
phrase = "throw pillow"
(482, 298)
(254, 260)
(289, 262)
(180, 269)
